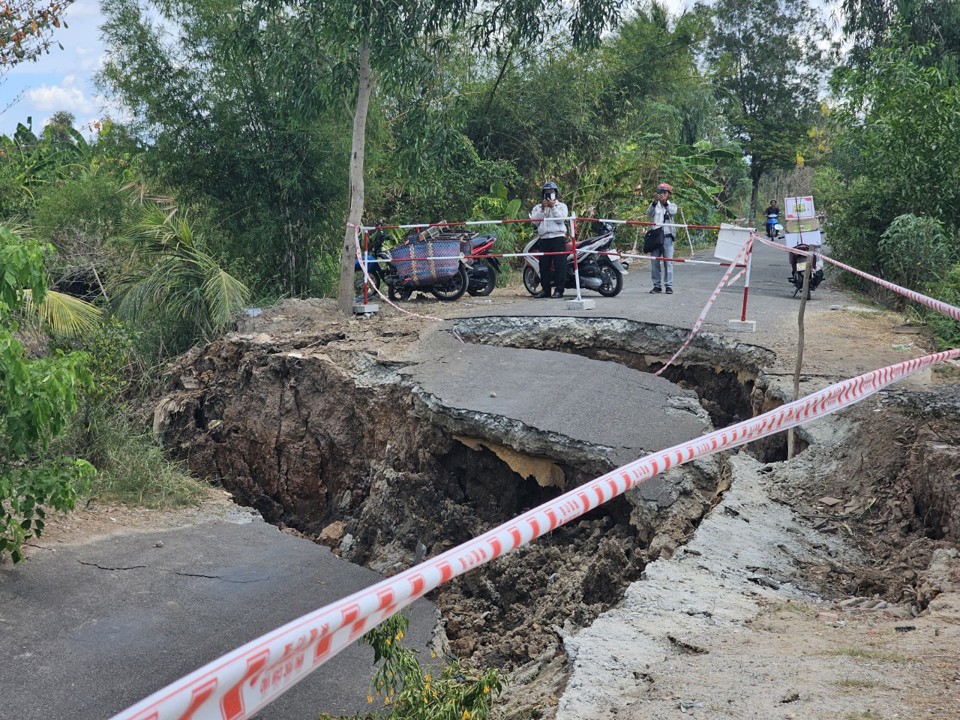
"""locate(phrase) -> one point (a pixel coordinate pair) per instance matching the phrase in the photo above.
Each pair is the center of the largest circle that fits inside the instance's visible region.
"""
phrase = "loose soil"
(880, 625)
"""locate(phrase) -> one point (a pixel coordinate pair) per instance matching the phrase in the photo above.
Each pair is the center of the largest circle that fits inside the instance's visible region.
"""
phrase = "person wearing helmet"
(551, 238)
(662, 212)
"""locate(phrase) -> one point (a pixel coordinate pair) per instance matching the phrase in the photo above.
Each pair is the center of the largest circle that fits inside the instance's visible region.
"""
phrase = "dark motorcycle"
(798, 265)
(377, 261)
(482, 268)
(600, 266)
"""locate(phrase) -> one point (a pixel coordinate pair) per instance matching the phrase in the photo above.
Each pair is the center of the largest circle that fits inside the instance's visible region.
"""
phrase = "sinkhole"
(364, 457)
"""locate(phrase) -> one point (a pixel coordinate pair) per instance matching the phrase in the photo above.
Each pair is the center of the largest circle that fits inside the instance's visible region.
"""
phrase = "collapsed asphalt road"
(92, 628)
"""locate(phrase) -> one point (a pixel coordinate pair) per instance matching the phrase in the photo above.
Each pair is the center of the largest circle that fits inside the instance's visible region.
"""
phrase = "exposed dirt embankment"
(344, 448)
(320, 427)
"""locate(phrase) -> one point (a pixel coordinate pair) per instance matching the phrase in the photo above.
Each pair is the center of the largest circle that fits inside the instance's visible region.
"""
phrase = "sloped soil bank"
(330, 441)
(895, 495)
(344, 450)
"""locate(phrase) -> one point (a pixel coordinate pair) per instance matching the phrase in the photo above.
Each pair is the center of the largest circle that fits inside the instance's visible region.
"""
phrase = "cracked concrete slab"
(628, 412)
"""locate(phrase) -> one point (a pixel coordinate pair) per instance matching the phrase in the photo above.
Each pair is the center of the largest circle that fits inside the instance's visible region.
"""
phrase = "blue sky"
(62, 80)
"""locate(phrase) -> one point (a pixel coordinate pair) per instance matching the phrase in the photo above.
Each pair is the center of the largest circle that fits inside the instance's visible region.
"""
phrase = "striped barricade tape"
(241, 682)
(741, 257)
(938, 305)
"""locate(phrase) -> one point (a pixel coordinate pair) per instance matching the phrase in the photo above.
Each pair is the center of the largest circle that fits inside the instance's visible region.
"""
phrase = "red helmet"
(664, 187)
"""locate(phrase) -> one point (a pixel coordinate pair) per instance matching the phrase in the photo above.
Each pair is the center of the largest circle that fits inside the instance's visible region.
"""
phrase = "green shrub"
(86, 210)
(37, 398)
(131, 465)
(914, 251)
(408, 691)
(946, 330)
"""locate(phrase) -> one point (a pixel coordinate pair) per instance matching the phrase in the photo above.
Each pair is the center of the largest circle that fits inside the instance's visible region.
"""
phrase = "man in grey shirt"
(663, 211)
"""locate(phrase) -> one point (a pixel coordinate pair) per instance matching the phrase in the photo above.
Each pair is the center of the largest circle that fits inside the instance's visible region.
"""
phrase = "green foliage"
(131, 467)
(80, 213)
(912, 157)
(766, 64)
(30, 164)
(36, 399)
(946, 330)
(891, 160)
(116, 371)
(914, 251)
(175, 286)
(499, 206)
(134, 470)
(409, 691)
(233, 106)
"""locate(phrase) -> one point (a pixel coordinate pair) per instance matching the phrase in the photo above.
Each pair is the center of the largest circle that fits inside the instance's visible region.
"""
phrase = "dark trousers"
(553, 268)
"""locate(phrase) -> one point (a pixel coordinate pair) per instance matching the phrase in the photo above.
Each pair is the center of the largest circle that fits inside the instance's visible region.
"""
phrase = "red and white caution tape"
(241, 682)
(941, 307)
(737, 262)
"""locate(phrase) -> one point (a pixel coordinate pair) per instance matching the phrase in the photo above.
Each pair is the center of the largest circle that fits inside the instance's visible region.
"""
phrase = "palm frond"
(225, 296)
(63, 314)
(175, 281)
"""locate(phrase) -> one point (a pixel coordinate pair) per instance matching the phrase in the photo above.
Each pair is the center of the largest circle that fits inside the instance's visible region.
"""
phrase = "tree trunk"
(791, 442)
(754, 195)
(355, 216)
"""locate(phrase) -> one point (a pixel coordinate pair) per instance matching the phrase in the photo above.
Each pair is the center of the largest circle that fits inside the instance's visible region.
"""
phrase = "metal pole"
(746, 281)
(687, 228)
(576, 270)
(363, 264)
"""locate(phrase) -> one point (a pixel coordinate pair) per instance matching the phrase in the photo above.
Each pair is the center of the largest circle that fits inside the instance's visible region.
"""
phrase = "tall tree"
(768, 63)
(235, 121)
(872, 23)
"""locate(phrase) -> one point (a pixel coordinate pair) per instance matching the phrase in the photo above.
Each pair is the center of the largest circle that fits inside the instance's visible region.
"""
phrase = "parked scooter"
(602, 273)
(798, 265)
(481, 271)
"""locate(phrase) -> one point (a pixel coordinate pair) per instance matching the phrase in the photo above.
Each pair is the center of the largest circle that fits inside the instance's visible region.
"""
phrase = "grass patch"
(137, 473)
(858, 683)
(794, 608)
(865, 654)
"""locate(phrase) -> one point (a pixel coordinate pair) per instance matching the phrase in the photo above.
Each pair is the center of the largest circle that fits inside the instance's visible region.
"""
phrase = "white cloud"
(83, 8)
(68, 95)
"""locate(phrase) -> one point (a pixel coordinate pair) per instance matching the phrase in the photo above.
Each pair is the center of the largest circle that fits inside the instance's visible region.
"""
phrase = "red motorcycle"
(482, 268)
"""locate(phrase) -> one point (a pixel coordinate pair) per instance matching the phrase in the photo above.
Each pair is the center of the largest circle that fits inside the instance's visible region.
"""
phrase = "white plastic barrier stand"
(730, 241)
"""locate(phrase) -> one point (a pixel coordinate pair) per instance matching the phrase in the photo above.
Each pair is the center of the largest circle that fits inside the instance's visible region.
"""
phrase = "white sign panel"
(799, 208)
(729, 241)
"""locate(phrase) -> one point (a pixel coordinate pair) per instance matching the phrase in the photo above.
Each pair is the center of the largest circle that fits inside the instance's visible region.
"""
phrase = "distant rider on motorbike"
(552, 238)
(773, 217)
